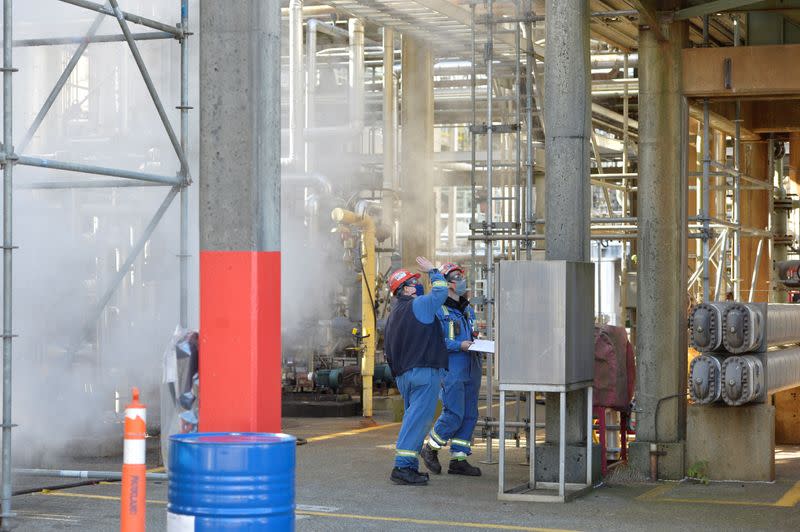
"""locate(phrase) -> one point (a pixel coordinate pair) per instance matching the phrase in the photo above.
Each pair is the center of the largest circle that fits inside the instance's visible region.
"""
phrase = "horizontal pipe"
(136, 19)
(53, 164)
(783, 369)
(74, 473)
(53, 41)
(70, 184)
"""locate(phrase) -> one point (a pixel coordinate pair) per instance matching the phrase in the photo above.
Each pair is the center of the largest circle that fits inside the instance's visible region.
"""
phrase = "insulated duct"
(745, 379)
(783, 369)
(705, 326)
(705, 379)
(744, 326)
(742, 379)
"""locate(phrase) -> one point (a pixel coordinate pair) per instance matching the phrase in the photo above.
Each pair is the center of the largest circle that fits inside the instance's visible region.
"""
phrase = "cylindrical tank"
(231, 481)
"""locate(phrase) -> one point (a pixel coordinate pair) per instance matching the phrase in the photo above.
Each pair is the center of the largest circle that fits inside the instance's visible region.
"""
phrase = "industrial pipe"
(296, 111)
(368, 330)
(73, 473)
(745, 326)
(745, 380)
(705, 379)
(742, 379)
(356, 95)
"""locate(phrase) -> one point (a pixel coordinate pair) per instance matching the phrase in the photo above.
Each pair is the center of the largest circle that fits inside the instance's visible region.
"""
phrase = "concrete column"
(416, 152)
(661, 340)
(567, 107)
(240, 205)
(567, 104)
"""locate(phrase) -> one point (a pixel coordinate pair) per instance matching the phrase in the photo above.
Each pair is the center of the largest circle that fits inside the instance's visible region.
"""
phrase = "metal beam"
(647, 13)
(709, 8)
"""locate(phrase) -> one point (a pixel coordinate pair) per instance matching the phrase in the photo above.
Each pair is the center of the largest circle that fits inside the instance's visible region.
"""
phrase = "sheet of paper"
(482, 346)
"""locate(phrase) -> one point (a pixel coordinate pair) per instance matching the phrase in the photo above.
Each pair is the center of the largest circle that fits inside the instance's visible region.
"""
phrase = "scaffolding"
(15, 155)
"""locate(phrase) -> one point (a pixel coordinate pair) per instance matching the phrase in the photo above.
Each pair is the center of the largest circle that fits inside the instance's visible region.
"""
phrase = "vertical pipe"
(489, 171)
(706, 199)
(530, 63)
(625, 138)
(388, 109)
(184, 215)
(8, 148)
(311, 85)
(562, 439)
(501, 452)
(737, 206)
(518, 121)
(489, 244)
(356, 95)
(473, 148)
(296, 112)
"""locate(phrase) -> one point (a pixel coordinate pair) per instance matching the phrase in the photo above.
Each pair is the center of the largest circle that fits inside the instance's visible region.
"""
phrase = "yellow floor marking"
(160, 469)
(355, 432)
(341, 516)
(789, 499)
(90, 496)
(350, 432)
(655, 492)
(429, 522)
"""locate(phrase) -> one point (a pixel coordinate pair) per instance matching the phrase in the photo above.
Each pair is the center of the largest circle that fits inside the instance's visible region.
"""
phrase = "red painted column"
(240, 341)
(240, 212)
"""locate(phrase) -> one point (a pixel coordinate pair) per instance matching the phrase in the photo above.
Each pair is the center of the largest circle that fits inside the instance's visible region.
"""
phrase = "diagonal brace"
(148, 81)
(97, 311)
(51, 98)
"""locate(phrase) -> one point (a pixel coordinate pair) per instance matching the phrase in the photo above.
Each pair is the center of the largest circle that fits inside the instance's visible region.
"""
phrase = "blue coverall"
(462, 382)
(420, 385)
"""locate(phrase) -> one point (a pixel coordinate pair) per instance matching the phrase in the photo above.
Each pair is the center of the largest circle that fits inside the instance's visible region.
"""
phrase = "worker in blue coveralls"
(416, 353)
(461, 383)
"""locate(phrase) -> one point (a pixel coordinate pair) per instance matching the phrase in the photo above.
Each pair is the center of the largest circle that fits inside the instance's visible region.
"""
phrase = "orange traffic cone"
(133, 467)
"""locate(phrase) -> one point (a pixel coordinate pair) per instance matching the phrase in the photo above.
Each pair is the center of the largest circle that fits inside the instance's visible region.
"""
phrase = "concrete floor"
(342, 484)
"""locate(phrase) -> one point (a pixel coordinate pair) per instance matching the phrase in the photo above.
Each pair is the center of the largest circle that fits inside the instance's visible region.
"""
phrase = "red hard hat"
(399, 277)
(450, 267)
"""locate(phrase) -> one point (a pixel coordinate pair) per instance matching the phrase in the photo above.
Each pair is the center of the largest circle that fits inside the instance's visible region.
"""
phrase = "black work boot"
(462, 467)
(408, 477)
(430, 456)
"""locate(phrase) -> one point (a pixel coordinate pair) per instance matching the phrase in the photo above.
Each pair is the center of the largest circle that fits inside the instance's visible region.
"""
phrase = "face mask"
(420, 289)
(461, 287)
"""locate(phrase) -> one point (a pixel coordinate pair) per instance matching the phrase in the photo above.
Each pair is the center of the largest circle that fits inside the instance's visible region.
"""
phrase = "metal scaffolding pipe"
(97, 183)
(136, 19)
(73, 473)
(57, 41)
(183, 289)
(98, 170)
(8, 247)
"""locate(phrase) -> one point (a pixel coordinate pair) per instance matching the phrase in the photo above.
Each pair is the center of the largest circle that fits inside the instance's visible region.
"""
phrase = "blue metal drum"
(231, 481)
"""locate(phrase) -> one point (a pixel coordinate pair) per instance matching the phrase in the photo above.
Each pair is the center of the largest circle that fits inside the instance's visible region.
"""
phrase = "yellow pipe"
(368, 331)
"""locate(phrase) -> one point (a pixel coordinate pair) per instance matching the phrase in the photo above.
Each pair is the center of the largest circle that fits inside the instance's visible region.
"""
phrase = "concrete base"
(737, 442)
(547, 463)
(671, 464)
